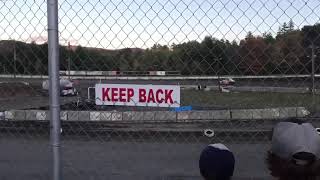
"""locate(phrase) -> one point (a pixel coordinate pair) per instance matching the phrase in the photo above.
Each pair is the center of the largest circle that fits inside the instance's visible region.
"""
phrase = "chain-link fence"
(210, 71)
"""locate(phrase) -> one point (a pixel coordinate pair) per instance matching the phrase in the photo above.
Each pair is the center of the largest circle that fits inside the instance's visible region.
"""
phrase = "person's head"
(216, 162)
(295, 151)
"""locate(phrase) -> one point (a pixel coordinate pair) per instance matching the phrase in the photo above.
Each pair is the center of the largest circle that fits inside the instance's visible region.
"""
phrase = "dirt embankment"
(17, 89)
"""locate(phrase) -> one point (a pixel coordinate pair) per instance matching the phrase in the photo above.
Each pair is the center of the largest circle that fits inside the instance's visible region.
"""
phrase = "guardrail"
(120, 73)
(170, 116)
(180, 77)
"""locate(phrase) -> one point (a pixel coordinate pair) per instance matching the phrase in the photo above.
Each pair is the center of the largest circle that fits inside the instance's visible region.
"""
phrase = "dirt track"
(15, 95)
(16, 89)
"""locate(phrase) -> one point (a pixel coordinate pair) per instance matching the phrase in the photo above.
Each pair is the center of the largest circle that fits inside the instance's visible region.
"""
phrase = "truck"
(67, 87)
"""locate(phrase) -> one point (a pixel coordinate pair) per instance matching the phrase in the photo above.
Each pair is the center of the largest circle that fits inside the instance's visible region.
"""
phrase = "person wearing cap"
(295, 151)
(216, 162)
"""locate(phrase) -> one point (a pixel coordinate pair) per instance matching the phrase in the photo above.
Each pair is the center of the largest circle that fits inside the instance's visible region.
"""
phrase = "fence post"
(54, 88)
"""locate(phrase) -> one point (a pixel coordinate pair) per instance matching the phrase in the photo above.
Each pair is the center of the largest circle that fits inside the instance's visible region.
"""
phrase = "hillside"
(287, 52)
(8, 45)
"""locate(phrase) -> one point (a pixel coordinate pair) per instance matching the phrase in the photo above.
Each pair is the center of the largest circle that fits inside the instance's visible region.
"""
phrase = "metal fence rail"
(240, 67)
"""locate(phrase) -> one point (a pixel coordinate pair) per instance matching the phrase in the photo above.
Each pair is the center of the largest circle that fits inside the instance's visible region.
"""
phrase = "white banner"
(138, 95)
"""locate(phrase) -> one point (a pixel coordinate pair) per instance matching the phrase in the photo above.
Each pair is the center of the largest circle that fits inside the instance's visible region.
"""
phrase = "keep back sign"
(137, 95)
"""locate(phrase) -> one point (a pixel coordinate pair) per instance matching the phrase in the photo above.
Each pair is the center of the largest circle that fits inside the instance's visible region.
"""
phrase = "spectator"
(295, 152)
(216, 162)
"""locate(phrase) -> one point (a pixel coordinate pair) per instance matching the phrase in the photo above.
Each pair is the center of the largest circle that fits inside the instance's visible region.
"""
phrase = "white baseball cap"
(290, 138)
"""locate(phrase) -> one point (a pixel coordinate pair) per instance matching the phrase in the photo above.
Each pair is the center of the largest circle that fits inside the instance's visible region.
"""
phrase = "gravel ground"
(24, 157)
(117, 151)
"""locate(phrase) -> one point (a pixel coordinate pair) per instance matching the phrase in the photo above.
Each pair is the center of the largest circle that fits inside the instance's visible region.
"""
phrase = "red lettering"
(122, 94)
(114, 92)
(168, 96)
(130, 94)
(150, 96)
(142, 95)
(159, 100)
(105, 94)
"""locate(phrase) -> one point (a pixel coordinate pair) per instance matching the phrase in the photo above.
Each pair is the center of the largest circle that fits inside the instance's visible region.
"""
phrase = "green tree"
(268, 38)
(290, 25)
(249, 35)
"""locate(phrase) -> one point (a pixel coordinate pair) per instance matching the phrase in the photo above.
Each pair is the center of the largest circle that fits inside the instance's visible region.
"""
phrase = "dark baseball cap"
(216, 162)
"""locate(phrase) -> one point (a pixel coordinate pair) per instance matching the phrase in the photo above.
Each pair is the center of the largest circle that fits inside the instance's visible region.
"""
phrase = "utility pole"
(69, 65)
(313, 88)
(218, 73)
(313, 68)
(14, 59)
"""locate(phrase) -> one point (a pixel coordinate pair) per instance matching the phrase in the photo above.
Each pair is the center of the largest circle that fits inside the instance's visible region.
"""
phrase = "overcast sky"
(142, 23)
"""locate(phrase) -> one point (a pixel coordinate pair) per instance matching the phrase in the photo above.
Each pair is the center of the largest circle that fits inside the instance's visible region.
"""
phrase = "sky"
(142, 23)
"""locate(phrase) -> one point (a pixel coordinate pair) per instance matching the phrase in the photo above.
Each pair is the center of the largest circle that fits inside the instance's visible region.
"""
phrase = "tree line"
(287, 52)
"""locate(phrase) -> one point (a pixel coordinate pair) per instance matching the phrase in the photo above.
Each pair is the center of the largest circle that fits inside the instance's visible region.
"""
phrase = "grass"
(249, 99)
